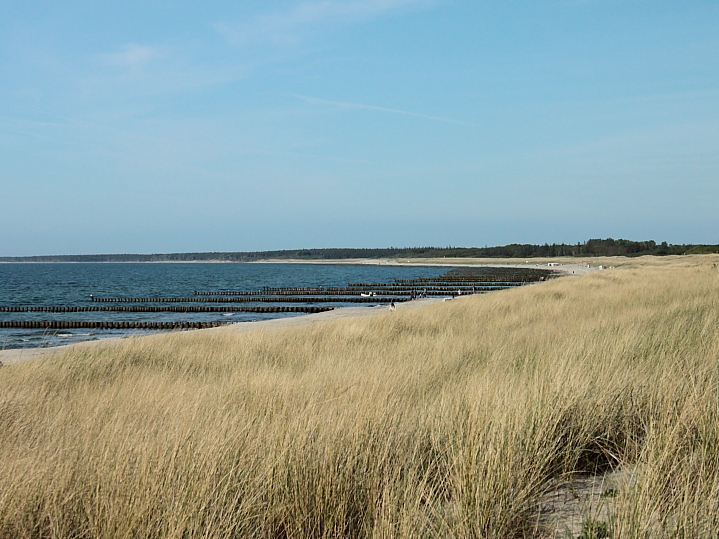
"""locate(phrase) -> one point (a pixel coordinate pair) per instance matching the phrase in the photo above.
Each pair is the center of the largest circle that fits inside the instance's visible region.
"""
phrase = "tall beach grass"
(446, 421)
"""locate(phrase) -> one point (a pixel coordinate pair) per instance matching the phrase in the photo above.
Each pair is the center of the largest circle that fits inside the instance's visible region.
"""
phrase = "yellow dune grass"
(445, 421)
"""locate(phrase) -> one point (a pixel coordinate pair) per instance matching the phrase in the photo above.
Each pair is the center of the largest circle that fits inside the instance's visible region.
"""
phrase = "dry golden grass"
(445, 421)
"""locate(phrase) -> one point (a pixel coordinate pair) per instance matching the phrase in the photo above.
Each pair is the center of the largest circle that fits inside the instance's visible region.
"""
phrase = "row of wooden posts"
(283, 299)
(407, 286)
(379, 289)
(165, 309)
(293, 288)
(521, 276)
(75, 324)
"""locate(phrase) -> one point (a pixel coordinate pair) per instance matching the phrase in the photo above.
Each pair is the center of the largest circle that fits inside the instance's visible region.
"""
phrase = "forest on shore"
(590, 248)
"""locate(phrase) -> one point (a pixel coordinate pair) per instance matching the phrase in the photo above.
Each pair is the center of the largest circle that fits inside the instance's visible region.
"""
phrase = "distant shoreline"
(592, 248)
(566, 265)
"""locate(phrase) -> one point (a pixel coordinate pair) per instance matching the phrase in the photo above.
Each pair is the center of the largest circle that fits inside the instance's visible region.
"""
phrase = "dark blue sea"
(57, 284)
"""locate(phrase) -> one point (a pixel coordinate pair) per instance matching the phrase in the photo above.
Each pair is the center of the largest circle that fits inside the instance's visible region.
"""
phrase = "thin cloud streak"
(344, 105)
(132, 55)
(321, 157)
(28, 134)
(40, 112)
(281, 26)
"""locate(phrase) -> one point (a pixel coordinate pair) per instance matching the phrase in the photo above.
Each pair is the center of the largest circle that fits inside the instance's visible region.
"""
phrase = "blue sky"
(139, 127)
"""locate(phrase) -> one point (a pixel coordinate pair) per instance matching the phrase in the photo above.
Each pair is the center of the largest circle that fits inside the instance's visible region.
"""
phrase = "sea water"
(69, 285)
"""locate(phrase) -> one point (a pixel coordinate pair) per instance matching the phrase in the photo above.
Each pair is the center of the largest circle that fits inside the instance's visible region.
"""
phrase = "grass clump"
(446, 421)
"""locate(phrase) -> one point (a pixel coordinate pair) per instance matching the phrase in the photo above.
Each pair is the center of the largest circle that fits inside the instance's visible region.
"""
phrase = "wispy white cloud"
(319, 157)
(348, 106)
(286, 26)
(131, 55)
(151, 70)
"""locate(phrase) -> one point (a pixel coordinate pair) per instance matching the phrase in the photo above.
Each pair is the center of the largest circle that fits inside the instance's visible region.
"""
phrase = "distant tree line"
(593, 247)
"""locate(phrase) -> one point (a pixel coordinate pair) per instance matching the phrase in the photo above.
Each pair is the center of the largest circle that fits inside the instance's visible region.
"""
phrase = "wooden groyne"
(449, 282)
(293, 289)
(468, 280)
(378, 288)
(75, 324)
(280, 299)
(165, 309)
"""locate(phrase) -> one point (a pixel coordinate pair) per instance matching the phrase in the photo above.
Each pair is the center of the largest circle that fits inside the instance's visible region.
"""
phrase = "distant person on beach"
(392, 306)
